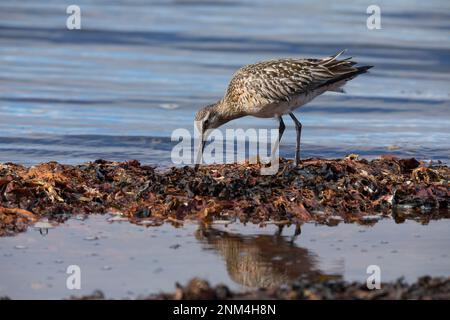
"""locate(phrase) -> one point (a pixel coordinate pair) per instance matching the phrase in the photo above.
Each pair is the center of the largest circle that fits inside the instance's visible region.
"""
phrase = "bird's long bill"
(200, 151)
(203, 145)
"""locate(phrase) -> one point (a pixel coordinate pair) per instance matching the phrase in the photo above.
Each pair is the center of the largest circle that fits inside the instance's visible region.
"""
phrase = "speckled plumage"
(277, 87)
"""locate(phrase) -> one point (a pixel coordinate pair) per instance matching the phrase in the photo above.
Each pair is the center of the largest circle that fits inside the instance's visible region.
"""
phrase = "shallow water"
(126, 260)
(140, 69)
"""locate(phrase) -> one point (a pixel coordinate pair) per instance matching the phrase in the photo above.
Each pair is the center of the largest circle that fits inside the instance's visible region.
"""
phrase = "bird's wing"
(281, 80)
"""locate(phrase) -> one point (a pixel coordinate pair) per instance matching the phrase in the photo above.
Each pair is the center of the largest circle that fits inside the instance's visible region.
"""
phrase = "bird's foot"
(297, 160)
(296, 165)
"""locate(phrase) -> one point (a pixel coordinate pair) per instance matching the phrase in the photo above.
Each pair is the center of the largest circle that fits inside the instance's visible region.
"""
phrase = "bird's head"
(208, 118)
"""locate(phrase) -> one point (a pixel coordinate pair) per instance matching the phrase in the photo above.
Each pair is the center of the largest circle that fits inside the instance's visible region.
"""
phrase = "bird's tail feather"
(339, 81)
(336, 72)
(329, 60)
(363, 69)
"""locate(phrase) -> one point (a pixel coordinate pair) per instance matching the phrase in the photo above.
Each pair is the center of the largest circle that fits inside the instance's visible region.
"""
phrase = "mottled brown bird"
(277, 87)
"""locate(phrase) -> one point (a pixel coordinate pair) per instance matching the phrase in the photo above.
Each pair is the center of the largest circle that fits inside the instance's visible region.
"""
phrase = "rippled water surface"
(140, 69)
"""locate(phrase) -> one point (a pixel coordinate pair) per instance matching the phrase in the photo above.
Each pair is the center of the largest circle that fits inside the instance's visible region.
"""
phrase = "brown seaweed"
(325, 191)
(425, 288)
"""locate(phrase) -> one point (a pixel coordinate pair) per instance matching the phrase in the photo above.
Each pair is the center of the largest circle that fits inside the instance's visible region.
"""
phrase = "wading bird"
(275, 88)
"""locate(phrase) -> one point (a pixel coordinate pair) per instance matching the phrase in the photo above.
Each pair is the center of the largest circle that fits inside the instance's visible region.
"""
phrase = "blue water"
(126, 261)
(140, 69)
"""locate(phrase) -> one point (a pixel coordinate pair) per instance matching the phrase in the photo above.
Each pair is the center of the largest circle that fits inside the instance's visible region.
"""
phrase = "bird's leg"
(279, 230)
(298, 231)
(281, 129)
(298, 129)
(280, 134)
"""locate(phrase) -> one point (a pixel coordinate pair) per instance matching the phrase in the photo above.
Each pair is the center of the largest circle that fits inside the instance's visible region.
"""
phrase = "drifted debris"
(306, 289)
(325, 191)
(13, 220)
(425, 288)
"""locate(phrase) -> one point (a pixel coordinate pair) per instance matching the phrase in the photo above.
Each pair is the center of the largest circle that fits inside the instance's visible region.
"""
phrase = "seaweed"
(324, 191)
(424, 288)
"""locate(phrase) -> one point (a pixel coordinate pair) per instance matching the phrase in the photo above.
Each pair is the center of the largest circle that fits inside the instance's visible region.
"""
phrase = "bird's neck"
(226, 111)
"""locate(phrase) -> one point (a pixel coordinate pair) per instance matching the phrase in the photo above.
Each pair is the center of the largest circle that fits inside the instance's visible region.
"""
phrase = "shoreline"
(320, 190)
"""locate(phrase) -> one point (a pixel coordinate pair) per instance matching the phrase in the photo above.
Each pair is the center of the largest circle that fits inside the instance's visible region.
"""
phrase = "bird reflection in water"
(262, 261)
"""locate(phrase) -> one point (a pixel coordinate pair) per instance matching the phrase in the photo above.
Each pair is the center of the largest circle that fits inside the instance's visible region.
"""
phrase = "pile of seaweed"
(325, 191)
(425, 288)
